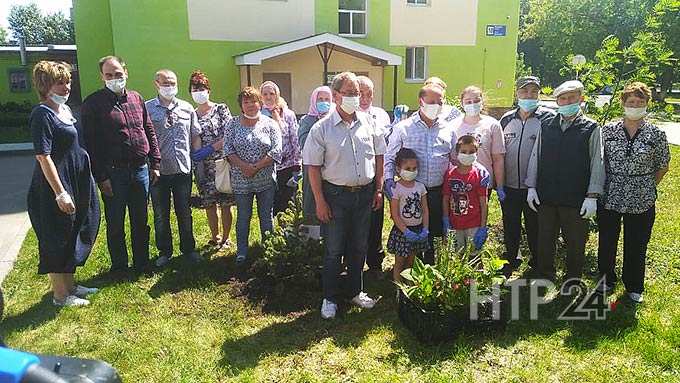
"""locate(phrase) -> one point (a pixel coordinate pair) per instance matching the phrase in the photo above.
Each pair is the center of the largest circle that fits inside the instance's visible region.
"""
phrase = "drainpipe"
(22, 50)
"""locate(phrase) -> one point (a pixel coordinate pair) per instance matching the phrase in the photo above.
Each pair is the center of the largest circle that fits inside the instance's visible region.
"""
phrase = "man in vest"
(520, 130)
(566, 172)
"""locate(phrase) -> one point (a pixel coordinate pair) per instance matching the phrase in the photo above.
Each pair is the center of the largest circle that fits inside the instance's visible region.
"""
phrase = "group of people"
(437, 167)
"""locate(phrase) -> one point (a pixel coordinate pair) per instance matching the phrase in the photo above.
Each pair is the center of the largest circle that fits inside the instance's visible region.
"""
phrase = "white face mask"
(200, 97)
(635, 113)
(59, 100)
(350, 104)
(467, 159)
(255, 117)
(431, 111)
(473, 109)
(117, 85)
(167, 92)
(408, 175)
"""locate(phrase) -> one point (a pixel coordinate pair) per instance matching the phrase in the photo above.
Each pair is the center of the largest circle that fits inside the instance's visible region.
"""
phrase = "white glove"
(532, 199)
(65, 203)
(589, 208)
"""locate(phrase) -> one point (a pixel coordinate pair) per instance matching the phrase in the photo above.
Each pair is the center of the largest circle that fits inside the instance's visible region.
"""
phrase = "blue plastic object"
(13, 364)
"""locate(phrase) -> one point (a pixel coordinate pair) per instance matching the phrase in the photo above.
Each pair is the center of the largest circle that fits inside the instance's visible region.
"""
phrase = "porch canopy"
(326, 44)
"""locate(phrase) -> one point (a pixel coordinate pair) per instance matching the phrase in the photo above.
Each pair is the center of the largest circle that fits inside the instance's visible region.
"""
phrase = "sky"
(47, 6)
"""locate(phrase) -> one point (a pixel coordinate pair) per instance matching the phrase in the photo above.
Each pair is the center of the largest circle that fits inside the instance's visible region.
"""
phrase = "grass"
(196, 324)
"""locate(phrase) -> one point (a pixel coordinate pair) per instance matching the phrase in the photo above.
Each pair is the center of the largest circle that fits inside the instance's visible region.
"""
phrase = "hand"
(65, 203)
(485, 182)
(480, 237)
(155, 175)
(532, 199)
(389, 188)
(249, 170)
(377, 200)
(218, 145)
(202, 153)
(323, 211)
(424, 235)
(411, 236)
(501, 193)
(446, 226)
(294, 179)
(589, 207)
(105, 188)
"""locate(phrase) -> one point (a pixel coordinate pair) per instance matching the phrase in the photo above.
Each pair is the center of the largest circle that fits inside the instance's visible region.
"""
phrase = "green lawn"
(197, 324)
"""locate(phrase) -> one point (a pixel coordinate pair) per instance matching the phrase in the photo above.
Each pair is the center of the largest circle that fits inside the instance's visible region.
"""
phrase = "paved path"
(15, 172)
(672, 130)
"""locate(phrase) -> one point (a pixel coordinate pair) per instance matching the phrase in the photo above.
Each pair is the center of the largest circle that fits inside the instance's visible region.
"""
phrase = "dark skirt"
(399, 246)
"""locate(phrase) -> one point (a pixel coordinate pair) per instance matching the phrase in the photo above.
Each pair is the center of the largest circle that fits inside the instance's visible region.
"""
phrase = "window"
(18, 81)
(352, 17)
(416, 2)
(415, 63)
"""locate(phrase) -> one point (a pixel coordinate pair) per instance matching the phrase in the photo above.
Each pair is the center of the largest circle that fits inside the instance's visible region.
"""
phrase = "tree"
(39, 29)
(3, 36)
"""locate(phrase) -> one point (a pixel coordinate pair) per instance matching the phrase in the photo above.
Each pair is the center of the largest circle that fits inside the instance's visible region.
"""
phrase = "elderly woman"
(213, 119)
(252, 144)
(62, 200)
(636, 158)
(288, 171)
(320, 103)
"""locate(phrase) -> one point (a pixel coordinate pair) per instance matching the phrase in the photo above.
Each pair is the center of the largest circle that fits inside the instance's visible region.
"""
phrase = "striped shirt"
(431, 145)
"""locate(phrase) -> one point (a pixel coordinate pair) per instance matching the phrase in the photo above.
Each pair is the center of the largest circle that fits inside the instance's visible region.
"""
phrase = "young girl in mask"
(464, 193)
(489, 134)
(408, 207)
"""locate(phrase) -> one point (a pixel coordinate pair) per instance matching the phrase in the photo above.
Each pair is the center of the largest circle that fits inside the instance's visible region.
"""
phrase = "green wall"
(156, 35)
(13, 61)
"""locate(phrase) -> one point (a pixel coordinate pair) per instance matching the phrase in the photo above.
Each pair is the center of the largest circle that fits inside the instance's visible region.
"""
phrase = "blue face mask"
(527, 104)
(323, 106)
(569, 110)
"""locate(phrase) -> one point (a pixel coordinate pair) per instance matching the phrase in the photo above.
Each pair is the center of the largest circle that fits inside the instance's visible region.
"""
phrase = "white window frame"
(413, 62)
(351, 15)
(418, 3)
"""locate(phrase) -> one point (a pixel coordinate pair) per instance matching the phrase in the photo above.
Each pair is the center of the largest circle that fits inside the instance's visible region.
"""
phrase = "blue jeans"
(346, 235)
(130, 190)
(244, 212)
(179, 187)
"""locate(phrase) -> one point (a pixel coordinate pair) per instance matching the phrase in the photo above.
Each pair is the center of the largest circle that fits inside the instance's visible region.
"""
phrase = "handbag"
(222, 177)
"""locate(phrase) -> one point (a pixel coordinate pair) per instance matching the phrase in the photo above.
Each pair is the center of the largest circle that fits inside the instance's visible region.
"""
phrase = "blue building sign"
(496, 30)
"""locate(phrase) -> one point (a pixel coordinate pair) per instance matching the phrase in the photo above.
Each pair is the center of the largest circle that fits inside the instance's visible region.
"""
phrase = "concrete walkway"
(16, 169)
(672, 130)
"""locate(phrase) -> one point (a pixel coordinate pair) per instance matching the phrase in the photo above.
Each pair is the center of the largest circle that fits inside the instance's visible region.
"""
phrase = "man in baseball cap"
(568, 181)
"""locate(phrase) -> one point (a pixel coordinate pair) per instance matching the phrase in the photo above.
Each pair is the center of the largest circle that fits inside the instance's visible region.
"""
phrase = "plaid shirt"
(118, 132)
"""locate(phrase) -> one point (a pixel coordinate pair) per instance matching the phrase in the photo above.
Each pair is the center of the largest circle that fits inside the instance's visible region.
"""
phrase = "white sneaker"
(636, 297)
(71, 300)
(328, 309)
(363, 300)
(162, 261)
(82, 291)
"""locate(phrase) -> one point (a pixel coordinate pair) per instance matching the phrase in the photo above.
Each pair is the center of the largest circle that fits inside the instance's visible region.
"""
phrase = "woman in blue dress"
(62, 199)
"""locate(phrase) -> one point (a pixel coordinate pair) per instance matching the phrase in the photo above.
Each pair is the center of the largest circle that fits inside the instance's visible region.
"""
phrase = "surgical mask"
(473, 109)
(527, 104)
(569, 110)
(255, 117)
(167, 92)
(117, 85)
(323, 106)
(200, 97)
(467, 159)
(59, 100)
(635, 113)
(431, 111)
(350, 104)
(408, 175)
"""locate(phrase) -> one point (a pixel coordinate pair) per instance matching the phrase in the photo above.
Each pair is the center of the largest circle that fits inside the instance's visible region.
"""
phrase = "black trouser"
(434, 205)
(284, 193)
(514, 206)
(637, 230)
(375, 253)
(551, 220)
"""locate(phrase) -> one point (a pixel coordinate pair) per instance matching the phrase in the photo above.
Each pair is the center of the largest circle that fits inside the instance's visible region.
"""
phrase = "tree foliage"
(39, 29)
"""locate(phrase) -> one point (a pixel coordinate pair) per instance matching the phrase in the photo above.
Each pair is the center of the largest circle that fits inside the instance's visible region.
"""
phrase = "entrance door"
(284, 83)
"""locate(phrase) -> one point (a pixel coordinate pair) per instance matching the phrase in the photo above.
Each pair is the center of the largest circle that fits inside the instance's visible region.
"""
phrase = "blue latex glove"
(202, 153)
(411, 236)
(424, 234)
(294, 179)
(446, 225)
(501, 193)
(389, 188)
(480, 237)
